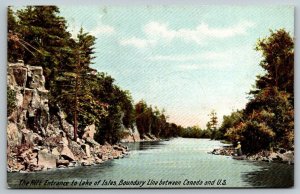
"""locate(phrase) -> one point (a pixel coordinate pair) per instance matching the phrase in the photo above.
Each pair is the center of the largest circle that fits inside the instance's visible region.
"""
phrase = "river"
(180, 161)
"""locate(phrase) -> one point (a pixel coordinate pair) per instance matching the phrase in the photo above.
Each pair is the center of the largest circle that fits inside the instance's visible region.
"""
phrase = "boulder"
(65, 141)
(46, 159)
(67, 153)
(91, 141)
(98, 160)
(14, 136)
(87, 162)
(89, 131)
(76, 149)
(68, 128)
(52, 141)
(17, 74)
(288, 157)
(73, 164)
(62, 162)
(32, 138)
(36, 79)
(104, 157)
(87, 150)
(55, 152)
(18, 167)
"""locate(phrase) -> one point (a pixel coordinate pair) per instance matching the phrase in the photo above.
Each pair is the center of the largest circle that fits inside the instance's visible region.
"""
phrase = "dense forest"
(38, 35)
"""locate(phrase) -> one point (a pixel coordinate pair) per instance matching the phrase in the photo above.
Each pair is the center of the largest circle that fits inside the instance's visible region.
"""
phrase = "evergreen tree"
(15, 47)
(43, 29)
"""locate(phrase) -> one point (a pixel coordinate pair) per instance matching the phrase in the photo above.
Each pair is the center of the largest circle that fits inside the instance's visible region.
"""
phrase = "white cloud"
(103, 30)
(210, 59)
(137, 42)
(173, 57)
(195, 66)
(209, 55)
(156, 32)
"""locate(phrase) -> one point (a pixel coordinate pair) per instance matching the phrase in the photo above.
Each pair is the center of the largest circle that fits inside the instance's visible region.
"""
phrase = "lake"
(179, 162)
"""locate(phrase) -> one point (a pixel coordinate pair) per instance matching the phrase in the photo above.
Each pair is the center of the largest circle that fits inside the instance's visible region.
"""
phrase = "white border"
(3, 61)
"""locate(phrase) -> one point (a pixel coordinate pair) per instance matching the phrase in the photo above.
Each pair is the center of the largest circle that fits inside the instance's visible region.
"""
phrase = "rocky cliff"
(37, 140)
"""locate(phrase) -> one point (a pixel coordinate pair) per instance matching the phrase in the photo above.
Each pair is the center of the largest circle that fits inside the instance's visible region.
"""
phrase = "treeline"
(39, 36)
(267, 122)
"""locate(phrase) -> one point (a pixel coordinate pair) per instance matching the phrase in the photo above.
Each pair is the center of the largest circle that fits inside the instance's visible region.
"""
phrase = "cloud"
(173, 57)
(208, 55)
(209, 59)
(156, 32)
(137, 42)
(196, 66)
(103, 30)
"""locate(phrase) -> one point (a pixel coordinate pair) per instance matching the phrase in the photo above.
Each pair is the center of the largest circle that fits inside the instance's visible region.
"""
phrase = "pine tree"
(43, 29)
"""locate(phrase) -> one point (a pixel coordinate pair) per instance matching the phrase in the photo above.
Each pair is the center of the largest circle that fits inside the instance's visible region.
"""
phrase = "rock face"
(37, 140)
(132, 135)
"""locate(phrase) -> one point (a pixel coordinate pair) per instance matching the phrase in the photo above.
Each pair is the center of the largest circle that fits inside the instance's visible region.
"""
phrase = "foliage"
(15, 47)
(195, 132)
(11, 101)
(153, 121)
(278, 61)
(268, 119)
(230, 121)
(211, 126)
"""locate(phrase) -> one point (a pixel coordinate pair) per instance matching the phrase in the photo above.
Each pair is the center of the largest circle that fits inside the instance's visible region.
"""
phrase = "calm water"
(176, 161)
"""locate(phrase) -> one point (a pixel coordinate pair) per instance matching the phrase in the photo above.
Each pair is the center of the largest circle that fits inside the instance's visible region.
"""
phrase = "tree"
(74, 93)
(43, 29)
(268, 119)
(230, 121)
(15, 48)
(278, 61)
(212, 124)
(143, 117)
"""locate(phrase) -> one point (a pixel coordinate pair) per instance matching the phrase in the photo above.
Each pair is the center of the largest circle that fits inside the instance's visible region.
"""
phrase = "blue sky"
(187, 60)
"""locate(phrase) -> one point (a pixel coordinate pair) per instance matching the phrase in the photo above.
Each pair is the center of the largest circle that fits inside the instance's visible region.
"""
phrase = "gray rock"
(67, 153)
(87, 150)
(17, 75)
(37, 79)
(46, 159)
(89, 131)
(14, 136)
(62, 162)
(91, 141)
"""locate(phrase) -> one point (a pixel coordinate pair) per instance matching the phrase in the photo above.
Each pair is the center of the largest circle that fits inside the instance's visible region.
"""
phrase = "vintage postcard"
(150, 97)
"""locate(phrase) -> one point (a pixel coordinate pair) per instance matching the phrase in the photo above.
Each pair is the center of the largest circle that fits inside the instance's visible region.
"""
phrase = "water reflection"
(271, 175)
(177, 159)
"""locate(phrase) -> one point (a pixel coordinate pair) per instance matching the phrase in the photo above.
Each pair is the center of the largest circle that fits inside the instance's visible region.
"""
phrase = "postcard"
(145, 97)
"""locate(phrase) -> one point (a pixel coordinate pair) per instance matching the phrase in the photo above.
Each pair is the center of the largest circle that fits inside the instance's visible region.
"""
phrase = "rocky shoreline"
(280, 155)
(40, 158)
(39, 140)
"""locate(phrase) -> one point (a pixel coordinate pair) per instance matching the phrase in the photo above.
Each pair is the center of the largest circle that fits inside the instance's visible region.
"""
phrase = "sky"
(186, 60)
